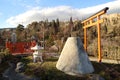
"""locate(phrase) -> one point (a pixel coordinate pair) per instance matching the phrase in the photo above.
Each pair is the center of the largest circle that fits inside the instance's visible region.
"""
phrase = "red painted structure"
(20, 47)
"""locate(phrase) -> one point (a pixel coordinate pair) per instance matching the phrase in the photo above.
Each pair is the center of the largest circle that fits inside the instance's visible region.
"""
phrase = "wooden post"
(85, 39)
(99, 40)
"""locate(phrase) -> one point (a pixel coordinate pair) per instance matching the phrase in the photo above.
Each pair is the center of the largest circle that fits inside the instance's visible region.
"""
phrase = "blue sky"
(14, 12)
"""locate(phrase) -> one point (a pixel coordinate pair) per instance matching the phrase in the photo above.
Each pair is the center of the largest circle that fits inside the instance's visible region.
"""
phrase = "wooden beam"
(101, 12)
(93, 24)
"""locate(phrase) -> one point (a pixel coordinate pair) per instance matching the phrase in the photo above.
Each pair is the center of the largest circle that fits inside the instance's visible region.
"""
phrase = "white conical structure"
(73, 59)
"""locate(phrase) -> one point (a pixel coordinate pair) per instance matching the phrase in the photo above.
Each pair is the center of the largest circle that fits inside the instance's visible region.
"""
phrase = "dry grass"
(48, 71)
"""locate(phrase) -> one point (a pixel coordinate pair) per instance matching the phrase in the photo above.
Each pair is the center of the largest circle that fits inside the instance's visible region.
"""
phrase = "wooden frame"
(92, 21)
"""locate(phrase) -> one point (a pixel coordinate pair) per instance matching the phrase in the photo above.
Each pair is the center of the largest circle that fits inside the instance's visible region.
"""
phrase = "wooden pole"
(85, 39)
(99, 40)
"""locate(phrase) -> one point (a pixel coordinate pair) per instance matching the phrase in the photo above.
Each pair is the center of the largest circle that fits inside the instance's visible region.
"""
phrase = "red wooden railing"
(20, 47)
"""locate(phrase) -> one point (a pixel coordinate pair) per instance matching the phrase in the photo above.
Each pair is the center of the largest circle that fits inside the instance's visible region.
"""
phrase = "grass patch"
(26, 60)
(6, 57)
(47, 71)
(108, 71)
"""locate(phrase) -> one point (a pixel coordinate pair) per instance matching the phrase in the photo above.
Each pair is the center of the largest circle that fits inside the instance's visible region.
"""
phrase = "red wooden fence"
(20, 47)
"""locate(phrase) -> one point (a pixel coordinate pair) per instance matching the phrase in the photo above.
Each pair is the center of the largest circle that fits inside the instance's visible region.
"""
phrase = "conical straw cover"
(73, 59)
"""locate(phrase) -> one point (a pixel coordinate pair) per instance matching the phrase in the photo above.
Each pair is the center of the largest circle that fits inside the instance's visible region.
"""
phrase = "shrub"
(5, 55)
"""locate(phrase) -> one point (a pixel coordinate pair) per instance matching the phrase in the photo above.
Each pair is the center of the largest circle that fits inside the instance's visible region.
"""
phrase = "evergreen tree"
(71, 24)
(54, 27)
(19, 30)
(57, 23)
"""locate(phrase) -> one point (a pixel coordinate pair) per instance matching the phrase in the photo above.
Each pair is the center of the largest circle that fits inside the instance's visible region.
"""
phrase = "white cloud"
(61, 12)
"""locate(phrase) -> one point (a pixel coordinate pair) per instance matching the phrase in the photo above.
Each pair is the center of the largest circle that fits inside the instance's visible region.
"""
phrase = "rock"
(73, 59)
(54, 48)
(20, 67)
(10, 74)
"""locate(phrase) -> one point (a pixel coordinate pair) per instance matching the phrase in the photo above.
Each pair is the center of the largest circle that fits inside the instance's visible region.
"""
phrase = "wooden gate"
(91, 21)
